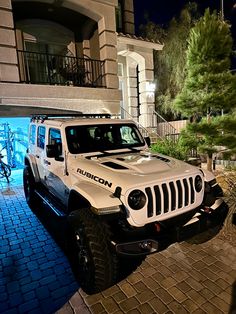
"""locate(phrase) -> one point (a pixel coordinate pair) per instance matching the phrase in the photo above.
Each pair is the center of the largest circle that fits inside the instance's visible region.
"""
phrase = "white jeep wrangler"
(118, 196)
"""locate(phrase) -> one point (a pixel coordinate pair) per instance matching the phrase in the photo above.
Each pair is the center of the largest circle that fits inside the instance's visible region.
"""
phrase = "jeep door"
(55, 167)
(40, 152)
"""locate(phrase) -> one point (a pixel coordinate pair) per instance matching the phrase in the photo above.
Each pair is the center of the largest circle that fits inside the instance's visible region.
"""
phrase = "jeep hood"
(129, 170)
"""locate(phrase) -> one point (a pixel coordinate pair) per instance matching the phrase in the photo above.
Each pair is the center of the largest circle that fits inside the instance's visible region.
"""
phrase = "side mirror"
(54, 151)
(147, 140)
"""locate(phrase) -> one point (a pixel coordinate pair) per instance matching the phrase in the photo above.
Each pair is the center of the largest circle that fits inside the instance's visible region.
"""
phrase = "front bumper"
(204, 219)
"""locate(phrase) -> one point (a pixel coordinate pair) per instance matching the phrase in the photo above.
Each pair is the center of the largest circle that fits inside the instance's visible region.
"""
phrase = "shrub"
(170, 148)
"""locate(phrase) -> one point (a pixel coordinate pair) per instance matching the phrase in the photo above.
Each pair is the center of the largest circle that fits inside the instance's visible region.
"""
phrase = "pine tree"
(170, 62)
(210, 86)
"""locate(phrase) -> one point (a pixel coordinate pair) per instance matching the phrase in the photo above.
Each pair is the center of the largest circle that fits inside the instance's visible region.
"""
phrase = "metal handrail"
(53, 69)
(170, 128)
(144, 131)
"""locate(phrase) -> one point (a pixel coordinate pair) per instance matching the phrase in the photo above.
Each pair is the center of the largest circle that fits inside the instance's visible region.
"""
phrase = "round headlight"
(198, 183)
(136, 199)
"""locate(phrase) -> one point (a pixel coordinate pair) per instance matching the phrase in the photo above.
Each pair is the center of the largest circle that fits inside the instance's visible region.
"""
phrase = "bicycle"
(5, 170)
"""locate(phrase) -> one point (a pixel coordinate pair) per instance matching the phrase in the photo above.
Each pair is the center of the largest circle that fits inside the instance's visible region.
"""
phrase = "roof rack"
(43, 117)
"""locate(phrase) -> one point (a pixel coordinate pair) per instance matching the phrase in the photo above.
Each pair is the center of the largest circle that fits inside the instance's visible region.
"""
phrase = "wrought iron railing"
(50, 69)
(126, 115)
(164, 128)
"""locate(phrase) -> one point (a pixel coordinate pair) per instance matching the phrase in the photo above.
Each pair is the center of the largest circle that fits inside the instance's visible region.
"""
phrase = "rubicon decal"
(95, 178)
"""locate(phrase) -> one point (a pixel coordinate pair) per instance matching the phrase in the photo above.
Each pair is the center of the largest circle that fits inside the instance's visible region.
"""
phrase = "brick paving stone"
(97, 308)
(119, 296)
(166, 271)
(219, 303)
(209, 274)
(28, 306)
(140, 286)
(76, 301)
(111, 291)
(176, 268)
(177, 308)
(145, 296)
(222, 265)
(189, 305)
(158, 276)
(127, 288)
(177, 294)
(212, 286)
(199, 265)
(183, 286)
(148, 271)
(66, 310)
(222, 283)
(129, 304)
(226, 277)
(110, 305)
(196, 297)
(168, 282)
(158, 306)
(211, 308)
(145, 308)
(181, 275)
(206, 293)
(134, 311)
(199, 311)
(134, 278)
(195, 284)
(164, 295)
(29, 295)
(209, 259)
(151, 283)
(197, 275)
(226, 297)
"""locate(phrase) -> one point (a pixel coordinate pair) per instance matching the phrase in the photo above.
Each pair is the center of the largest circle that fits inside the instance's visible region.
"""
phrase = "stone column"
(8, 57)
(128, 17)
(86, 48)
(147, 92)
(107, 44)
(132, 88)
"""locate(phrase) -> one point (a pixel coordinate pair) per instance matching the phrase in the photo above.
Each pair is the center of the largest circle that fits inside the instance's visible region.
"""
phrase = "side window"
(55, 138)
(32, 134)
(41, 137)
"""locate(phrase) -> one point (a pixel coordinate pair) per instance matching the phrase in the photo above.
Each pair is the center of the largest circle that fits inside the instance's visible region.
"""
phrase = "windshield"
(102, 137)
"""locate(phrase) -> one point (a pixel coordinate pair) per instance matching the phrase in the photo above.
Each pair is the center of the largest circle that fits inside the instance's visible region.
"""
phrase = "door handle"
(37, 156)
(46, 162)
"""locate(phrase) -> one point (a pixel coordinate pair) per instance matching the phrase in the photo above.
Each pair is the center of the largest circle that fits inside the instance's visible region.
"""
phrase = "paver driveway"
(194, 276)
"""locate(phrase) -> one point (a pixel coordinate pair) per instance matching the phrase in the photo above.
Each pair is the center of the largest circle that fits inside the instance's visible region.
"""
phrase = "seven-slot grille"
(169, 196)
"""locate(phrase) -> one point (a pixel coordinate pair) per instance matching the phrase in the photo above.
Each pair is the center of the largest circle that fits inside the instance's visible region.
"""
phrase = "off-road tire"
(29, 187)
(97, 262)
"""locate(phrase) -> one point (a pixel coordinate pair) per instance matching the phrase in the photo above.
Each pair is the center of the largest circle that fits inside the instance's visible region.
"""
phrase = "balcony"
(50, 69)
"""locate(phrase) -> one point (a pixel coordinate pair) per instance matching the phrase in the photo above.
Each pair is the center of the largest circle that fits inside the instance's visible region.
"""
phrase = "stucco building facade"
(79, 55)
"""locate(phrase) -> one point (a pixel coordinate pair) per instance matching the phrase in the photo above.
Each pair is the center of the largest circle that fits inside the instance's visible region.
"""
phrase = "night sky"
(161, 11)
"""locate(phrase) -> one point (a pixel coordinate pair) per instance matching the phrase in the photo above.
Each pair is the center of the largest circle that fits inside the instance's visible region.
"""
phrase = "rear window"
(41, 137)
(32, 134)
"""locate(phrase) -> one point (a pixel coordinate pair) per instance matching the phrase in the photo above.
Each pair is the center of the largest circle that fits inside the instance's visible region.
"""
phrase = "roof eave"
(139, 43)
